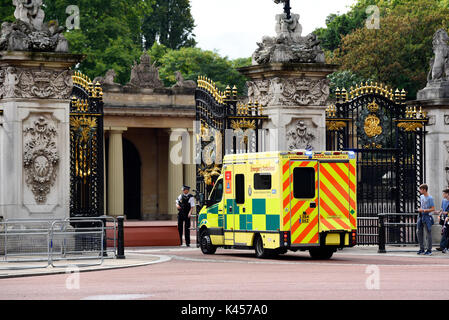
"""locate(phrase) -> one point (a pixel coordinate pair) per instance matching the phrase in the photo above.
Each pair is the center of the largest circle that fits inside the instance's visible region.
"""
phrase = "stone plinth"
(35, 91)
(434, 90)
(294, 96)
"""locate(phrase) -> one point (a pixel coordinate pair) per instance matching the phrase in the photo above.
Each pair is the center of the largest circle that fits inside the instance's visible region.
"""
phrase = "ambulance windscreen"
(304, 183)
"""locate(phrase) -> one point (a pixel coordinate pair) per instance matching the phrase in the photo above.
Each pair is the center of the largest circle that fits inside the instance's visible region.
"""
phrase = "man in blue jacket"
(425, 220)
(443, 221)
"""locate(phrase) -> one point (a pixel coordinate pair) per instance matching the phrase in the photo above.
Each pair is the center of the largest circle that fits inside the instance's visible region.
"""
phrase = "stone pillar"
(175, 169)
(189, 164)
(35, 93)
(294, 96)
(115, 173)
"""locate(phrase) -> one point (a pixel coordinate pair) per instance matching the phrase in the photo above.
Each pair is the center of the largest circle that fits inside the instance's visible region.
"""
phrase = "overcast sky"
(233, 27)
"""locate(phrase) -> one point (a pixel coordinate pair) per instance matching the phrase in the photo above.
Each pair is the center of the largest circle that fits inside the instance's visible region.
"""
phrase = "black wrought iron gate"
(388, 138)
(223, 126)
(86, 148)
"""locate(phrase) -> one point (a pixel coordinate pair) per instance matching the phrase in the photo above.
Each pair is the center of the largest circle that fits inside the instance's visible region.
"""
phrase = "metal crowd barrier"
(39, 243)
(397, 229)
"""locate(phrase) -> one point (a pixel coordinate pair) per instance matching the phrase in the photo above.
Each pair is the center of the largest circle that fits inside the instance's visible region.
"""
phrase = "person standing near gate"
(443, 219)
(425, 220)
(185, 204)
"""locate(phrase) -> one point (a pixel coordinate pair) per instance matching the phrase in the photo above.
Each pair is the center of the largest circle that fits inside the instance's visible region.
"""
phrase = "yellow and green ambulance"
(278, 201)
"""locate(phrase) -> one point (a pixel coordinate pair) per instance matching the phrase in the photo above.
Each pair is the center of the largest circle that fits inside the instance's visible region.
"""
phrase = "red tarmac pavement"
(239, 275)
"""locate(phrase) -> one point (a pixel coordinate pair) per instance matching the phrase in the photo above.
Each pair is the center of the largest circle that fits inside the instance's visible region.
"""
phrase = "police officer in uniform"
(185, 204)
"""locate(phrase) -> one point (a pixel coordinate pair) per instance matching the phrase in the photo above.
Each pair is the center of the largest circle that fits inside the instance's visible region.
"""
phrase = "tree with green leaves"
(398, 53)
(194, 62)
(6, 11)
(110, 33)
(170, 24)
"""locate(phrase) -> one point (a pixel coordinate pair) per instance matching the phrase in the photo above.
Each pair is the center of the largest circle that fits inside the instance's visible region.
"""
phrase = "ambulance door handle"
(244, 210)
(313, 205)
(230, 208)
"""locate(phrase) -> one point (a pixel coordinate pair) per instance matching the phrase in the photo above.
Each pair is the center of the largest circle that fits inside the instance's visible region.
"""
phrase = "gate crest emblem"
(372, 122)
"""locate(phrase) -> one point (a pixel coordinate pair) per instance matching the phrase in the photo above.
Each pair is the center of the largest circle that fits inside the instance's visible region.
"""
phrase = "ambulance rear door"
(304, 222)
(334, 190)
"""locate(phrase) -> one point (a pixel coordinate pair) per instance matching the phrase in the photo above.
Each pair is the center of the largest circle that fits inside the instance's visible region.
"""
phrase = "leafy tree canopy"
(397, 53)
(194, 62)
(170, 24)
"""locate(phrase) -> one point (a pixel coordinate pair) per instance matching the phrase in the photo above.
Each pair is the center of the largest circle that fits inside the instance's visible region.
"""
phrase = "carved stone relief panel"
(300, 135)
(35, 83)
(289, 92)
(40, 155)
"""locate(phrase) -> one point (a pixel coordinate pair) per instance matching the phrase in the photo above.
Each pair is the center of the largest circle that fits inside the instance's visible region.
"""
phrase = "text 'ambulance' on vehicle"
(279, 201)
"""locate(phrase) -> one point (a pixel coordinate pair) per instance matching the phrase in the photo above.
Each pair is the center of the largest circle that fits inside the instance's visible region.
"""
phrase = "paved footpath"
(185, 273)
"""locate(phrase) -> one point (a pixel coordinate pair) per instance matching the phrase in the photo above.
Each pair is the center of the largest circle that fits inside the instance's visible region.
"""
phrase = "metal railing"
(39, 243)
(397, 229)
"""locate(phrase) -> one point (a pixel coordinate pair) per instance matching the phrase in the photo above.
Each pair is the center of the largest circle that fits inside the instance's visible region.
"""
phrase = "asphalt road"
(238, 275)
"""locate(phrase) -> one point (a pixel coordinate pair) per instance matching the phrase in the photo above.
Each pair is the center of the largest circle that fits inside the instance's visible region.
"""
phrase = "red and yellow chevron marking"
(335, 197)
(353, 194)
(304, 232)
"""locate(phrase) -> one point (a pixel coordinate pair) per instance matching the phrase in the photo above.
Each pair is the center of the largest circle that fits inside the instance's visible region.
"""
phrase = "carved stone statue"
(181, 83)
(440, 65)
(29, 11)
(29, 32)
(145, 75)
(288, 46)
(438, 76)
(108, 79)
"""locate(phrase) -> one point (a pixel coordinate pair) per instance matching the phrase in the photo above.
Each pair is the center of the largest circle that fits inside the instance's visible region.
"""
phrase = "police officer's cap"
(185, 188)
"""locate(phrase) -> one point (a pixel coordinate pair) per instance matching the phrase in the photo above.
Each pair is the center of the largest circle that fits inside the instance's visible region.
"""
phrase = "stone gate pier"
(35, 89)
(288, 78)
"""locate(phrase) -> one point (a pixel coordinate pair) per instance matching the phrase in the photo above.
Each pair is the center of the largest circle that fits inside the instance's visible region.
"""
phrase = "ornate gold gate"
(86, 148)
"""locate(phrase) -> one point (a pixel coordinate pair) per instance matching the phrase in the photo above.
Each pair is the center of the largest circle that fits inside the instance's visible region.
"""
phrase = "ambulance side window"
(240, 188)
(217, 193)
(262, 181)
(304, 183)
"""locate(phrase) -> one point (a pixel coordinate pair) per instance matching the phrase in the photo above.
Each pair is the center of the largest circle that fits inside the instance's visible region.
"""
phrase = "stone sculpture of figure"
(288, 46)
(181, 83)
(29, 33)
(145, 74)
(441, 50)
(30, 11)
(288, 28)
(9, 83)
(108, 79)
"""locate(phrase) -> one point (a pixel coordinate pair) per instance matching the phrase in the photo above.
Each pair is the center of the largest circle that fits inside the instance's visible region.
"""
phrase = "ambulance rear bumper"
(337, 239)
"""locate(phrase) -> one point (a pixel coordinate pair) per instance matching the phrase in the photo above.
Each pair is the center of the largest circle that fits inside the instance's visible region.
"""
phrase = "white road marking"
(118, 297)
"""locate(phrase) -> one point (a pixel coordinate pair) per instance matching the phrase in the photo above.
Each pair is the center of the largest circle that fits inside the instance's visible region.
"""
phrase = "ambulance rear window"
(304, 183)
(262, 181)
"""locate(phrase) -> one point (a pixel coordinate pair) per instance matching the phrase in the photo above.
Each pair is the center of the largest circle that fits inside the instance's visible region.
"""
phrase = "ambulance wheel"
(206, 243)
(321, 253)
(261, 252)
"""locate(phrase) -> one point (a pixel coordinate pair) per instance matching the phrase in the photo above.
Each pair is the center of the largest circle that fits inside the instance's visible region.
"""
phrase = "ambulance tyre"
(321, 253)
(206, 243)
(261, 252)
